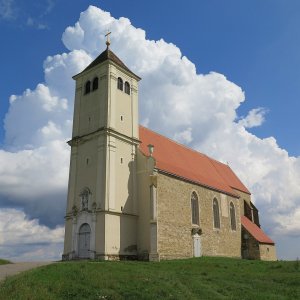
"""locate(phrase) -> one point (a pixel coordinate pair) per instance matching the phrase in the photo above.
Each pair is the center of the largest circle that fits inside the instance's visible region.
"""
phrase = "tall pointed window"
(127, 88)
(232, 217)
(95, 83)
(120, 83)
(87, 87)
(195, 209)
(216, 213)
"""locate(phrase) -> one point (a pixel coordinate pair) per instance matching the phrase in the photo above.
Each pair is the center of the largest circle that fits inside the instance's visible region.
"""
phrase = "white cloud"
(24, 239)
(49, 6)
(36, 24)
(254, 118)
(34, 173)
(7, 10)
(30, 112)
(184, 136)
(199, 109)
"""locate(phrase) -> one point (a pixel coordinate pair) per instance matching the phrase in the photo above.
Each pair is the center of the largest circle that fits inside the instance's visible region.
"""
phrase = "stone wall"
(267, 252)
(175, 223)
(250, 247)
(255, 249)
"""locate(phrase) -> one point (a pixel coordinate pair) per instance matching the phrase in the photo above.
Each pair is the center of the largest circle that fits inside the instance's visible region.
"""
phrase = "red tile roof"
(178, 160)
(229, 176)
(255, 231)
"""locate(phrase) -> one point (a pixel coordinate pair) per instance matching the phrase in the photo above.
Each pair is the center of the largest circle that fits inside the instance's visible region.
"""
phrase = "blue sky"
(253, 43)
(235, 46)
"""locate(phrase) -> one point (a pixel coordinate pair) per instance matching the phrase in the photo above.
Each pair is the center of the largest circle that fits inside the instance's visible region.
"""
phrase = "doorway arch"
(84, 241)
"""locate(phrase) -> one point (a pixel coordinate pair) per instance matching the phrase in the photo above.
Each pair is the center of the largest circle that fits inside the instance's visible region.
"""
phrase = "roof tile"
(107, 54)
(255, 231)
(189, 164)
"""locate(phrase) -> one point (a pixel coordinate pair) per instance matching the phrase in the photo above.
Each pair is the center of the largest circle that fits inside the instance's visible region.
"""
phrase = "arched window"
(95, 83)
(84, 199)
(195, 209)
(127, 88)
(87, 87)
(120, 83)
(232, 217)
(216, 213)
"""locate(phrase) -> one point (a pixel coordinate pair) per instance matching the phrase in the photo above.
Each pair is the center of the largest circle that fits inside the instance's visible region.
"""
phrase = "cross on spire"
(107, 38)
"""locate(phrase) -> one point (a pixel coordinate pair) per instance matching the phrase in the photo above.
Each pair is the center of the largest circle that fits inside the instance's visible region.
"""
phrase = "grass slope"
(197, 278)
(4, 261)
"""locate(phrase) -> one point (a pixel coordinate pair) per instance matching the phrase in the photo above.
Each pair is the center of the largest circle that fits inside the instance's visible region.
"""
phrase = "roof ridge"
(219, 162)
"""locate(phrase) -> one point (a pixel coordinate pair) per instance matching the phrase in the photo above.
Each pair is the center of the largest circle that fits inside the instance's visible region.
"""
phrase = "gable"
(178, 160)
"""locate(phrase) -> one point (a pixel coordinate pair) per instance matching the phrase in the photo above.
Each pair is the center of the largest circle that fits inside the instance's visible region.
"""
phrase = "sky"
(226, 77)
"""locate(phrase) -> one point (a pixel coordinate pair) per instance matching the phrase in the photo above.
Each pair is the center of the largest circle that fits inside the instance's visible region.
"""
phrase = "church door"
(84, 241)
(197, 245)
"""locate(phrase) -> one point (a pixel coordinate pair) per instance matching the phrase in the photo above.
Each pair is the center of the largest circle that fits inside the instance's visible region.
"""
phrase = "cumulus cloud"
(36, 241)
(196, 109)
(254, 118)
(184, 136)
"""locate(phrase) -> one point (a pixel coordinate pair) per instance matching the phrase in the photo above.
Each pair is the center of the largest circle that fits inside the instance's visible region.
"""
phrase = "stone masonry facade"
(174, 236)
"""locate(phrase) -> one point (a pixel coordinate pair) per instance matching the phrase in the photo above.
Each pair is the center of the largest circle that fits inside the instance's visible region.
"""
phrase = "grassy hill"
(4, 261)
(197, 278)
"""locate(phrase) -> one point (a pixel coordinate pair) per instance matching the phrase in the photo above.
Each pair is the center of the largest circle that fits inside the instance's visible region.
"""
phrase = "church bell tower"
(101, 216)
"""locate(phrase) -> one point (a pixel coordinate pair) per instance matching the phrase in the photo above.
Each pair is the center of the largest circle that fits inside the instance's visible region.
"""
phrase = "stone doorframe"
(89, 218)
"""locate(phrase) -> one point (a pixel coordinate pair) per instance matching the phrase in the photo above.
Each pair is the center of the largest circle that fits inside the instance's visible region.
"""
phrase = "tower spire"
(108, 38)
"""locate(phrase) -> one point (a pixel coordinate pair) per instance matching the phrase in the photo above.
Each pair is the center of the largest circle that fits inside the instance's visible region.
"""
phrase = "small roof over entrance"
(255, 231)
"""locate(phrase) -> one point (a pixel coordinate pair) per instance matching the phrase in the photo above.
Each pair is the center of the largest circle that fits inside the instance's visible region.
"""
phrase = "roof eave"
(136, 77)
(248, 192)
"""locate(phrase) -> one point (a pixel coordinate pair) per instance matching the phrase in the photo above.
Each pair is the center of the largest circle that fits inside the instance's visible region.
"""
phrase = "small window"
(120, 83)
(87, 87)
(232, 217)
(195, 209)
(95, 83)
(127, 88)
(216, 214)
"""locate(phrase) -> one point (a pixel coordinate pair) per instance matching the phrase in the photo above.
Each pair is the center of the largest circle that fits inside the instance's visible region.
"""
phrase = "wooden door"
(84, 241)
(197, 245)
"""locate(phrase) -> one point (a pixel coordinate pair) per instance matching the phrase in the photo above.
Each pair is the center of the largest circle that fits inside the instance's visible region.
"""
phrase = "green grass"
(4, 261)
(197, 278)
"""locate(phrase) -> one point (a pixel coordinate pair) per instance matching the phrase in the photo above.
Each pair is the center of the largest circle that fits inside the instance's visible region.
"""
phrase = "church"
(136, 194)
